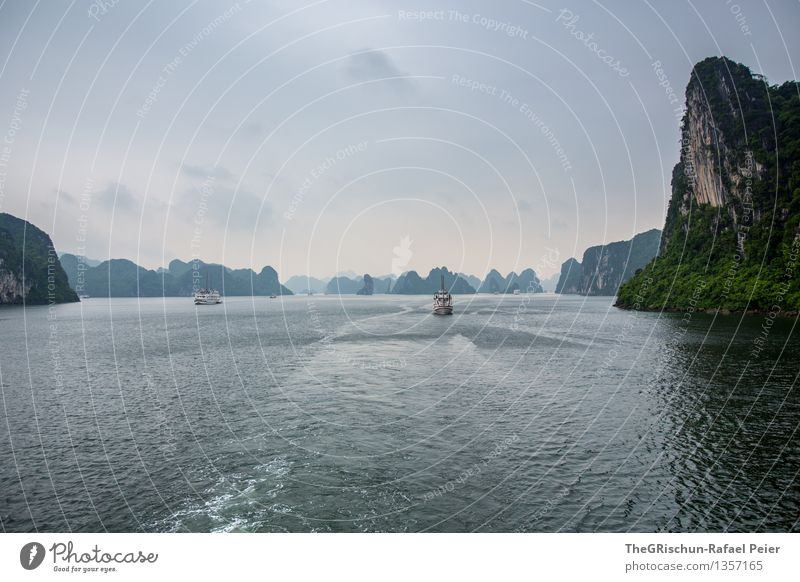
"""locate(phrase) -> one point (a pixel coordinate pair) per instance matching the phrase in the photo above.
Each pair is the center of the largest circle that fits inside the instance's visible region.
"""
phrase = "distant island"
(412, 283)
(49, 278)
(124, 278)
(366, 285)
(526, 282)
(732, 232)
(605, 267)
(30, 270)
(303, 284)
(369, 286)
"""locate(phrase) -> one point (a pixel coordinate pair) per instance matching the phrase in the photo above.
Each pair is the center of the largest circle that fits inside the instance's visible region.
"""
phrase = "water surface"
(518, 413)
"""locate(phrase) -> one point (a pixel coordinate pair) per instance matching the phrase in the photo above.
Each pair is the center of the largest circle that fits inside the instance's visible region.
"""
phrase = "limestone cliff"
(30, 270)
(368, 288)
(605, 267)
(569, 282)
(731, 235)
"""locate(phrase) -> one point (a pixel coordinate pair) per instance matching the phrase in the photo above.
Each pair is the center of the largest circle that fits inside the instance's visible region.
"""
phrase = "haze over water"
(519, 413)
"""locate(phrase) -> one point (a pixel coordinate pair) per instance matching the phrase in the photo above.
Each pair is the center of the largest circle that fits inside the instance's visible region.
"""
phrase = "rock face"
(412, 284)
(30, 270)
(570, 280)
(732, 231)
(368, 288)
(606, 267)
(123, 278)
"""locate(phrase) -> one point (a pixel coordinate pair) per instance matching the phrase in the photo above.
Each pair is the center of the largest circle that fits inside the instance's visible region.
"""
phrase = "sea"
(518, 413)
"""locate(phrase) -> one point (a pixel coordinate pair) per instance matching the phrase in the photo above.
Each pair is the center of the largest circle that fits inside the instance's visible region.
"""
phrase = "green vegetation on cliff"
(30, 271)
(732, 233)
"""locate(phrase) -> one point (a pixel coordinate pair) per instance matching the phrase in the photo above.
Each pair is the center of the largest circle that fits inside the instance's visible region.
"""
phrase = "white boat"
(207, 295)
(516, 291)
(442, 301)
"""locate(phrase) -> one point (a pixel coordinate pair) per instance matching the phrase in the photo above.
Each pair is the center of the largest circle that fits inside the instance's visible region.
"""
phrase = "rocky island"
(605, 267)
(526, 282)
(124, 278)
(732, 232)
(30, 270)
(411, 283)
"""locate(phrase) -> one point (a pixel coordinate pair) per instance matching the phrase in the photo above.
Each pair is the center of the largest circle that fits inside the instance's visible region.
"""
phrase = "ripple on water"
(369, 414)
(243, 500)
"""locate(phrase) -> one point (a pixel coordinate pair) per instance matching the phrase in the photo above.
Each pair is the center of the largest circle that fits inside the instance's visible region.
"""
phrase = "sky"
(375, 137)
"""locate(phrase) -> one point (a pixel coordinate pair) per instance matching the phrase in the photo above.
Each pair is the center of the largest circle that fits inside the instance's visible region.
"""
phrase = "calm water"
(368, 414)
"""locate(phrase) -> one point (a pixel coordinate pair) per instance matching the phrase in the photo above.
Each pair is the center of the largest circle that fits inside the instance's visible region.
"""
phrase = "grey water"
(517, 414)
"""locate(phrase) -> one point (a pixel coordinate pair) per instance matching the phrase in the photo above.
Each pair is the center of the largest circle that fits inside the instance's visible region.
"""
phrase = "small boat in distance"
(273, 296)
(207, 295)
(442, 301)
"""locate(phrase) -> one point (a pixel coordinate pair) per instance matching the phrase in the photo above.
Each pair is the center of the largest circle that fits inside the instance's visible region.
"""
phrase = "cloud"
(115, 196)
(68, 198)
(252, 129)
(222, 206)
(375, 64)
(524, 205)
(203, 173)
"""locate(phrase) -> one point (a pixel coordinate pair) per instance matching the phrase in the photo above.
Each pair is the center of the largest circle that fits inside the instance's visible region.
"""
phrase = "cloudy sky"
(319, 136)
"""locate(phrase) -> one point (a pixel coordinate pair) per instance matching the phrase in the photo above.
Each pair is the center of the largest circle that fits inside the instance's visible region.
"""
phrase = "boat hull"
(443, 310)
(207, 301)
(207, 296)
(203, 298)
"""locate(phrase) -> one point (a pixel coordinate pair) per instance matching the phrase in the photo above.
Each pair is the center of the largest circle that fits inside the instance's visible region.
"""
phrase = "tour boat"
(442, 301)
(207, 295)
